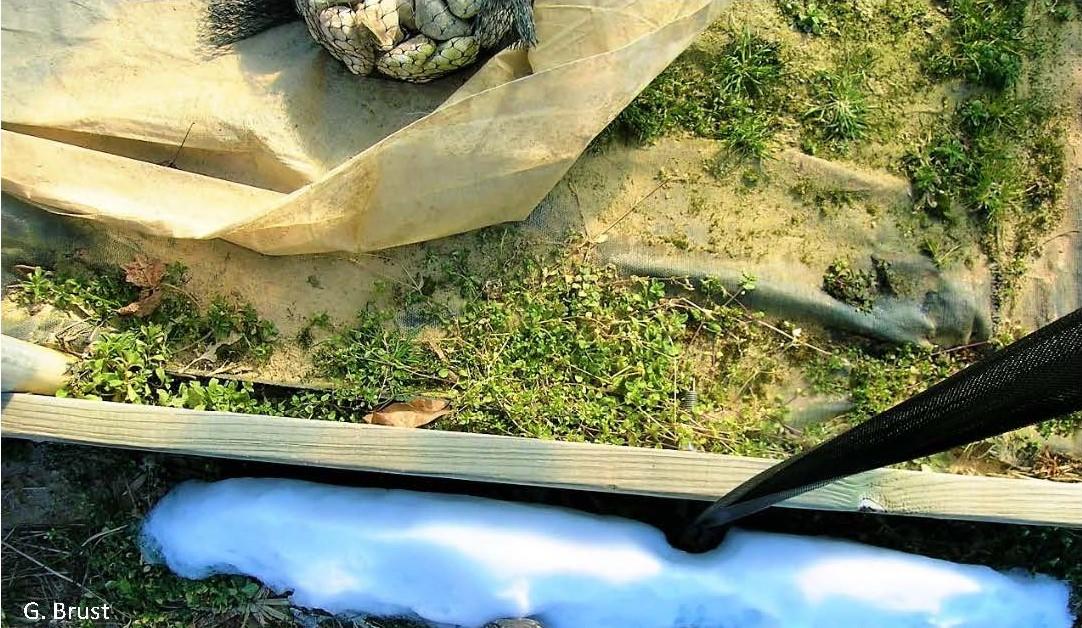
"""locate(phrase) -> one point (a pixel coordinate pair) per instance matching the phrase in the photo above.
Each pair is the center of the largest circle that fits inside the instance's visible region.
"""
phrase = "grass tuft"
(987, 44)
(840, 111)
(749, 66)
(731, 96)
(999, 161)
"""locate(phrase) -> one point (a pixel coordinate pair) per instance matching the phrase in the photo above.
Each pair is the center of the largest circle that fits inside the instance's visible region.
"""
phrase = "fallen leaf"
(414, 413)
(144, 306)
(143, 272)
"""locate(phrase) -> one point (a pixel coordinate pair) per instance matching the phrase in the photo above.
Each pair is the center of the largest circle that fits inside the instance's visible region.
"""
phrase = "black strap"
(1036, 378)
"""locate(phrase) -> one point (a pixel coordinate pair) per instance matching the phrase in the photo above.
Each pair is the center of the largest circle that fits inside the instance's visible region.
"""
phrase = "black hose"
(1034, 379)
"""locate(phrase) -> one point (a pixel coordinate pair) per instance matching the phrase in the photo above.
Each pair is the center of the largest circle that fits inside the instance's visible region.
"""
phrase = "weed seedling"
(809, 16)
(849, 285)
(839, 111)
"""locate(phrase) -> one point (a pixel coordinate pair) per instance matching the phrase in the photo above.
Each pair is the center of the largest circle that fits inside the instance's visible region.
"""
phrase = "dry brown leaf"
(415, 413)
(143, 272)
(144, 306)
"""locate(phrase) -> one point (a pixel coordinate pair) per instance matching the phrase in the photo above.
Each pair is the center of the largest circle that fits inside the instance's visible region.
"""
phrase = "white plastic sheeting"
(465, 561)
(285, 152)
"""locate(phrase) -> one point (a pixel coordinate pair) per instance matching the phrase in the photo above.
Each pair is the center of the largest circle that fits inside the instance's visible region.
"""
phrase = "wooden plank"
(521, 460)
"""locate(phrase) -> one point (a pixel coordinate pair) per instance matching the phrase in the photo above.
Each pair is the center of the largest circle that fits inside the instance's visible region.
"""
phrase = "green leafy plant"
(93, 294)
(129, 361)
(96, 294)
(215, 394)
(375, 361)
(126, 366)
(833, 18)
(849, 285)
(810, 16)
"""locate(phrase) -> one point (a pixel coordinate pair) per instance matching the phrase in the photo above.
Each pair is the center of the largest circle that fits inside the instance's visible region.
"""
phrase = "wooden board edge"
(513, 460)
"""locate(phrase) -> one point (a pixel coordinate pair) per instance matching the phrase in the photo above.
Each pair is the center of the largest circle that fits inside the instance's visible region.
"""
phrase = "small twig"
(197, 341)
(792, 338)
(172, 163)
(635, 206)
(355, 259)
(962, 348)
(574, 194)
(102, 534)
(49, 550)
(675, 391)
(757, 373)
(404, 368)
(57, 574)
(231, 368)
(749, 317)
(1060, 235)
(189, 295)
